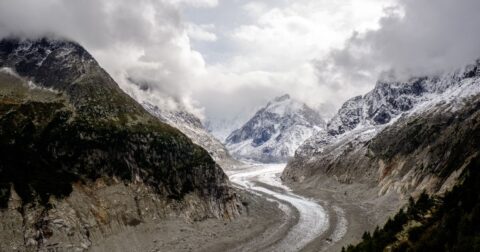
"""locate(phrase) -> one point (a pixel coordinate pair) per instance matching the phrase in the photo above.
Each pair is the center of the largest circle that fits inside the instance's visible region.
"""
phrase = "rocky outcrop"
(275, 131)
(402, 138)
(91, 214)
(81, 160)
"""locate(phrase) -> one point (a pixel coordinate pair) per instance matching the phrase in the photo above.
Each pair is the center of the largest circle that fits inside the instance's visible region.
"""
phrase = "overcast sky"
(222, 59)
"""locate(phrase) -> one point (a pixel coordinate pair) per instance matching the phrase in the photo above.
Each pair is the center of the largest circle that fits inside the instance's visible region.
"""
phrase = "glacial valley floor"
(269, 220)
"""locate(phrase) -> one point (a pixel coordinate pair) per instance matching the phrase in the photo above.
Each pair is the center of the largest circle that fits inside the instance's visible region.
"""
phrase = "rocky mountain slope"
(81, 160)
(275, 131)
(191, 126)
(447, 223)
(402, 137)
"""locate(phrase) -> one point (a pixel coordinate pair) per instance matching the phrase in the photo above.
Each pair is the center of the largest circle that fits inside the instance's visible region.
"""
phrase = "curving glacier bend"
(313, 220)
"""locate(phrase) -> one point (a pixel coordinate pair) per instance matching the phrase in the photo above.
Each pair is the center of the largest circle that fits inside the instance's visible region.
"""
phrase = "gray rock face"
(191, 126)
(81, 160)
(66, 67)
(275, 131)
(385, 102)
(92, 214)
(400, 137)
(348, 117)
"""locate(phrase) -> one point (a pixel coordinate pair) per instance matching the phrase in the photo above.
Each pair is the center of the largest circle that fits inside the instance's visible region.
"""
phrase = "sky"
(223, 59)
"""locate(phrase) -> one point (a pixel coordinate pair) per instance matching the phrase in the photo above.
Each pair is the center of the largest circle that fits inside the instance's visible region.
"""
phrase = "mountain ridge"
(92, 151)
(378, 167)
(369, 150)
(192, 126)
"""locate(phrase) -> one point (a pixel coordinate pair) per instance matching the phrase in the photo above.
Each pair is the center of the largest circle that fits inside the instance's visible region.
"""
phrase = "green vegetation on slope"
(46, 146)
(87, 128)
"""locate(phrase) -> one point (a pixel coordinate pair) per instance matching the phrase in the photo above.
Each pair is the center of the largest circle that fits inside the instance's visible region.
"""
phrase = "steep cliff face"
(80, 160)
(390, 99)
(424, 147)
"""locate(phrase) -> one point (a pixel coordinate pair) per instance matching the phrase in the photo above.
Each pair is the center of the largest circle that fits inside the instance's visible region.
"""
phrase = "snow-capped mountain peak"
(275, 131)
(283, 105)
(390, 100)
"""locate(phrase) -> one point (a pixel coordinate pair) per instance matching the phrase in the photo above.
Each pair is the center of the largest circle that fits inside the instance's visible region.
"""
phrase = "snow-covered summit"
(390, 100)
(275, 131)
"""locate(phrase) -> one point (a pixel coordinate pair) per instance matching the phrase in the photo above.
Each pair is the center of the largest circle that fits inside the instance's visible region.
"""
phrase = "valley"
(312, 220)
(109, 172)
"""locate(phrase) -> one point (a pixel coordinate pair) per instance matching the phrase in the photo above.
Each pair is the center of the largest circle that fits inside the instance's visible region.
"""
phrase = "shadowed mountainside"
(69, 134)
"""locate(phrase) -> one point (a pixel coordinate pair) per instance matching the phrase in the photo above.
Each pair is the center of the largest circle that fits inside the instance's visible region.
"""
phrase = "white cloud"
(255, 9)
(145, 42)
(223, 58)
(418, 37)
(201, 32)
(303, 30)
(196, 3)
(274, 49)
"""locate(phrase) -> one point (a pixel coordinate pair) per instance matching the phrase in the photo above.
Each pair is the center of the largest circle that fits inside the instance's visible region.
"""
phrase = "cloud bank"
(144, 45)
(222, 59)
(417, 37)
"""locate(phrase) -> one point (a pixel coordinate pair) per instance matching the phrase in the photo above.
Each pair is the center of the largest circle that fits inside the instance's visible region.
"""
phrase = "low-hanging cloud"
(98, 24)
(143, 44)
(418, 37)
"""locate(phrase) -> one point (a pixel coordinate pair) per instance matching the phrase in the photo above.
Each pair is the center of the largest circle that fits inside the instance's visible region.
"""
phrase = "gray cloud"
(144, 43)
(223, 59)
(215, 58)
(419, 37)
(96, 24)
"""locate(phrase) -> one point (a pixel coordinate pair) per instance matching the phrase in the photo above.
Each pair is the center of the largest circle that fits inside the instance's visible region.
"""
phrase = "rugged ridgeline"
(275, 131)
(191, 126)
(402, 137)
(81, 160)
